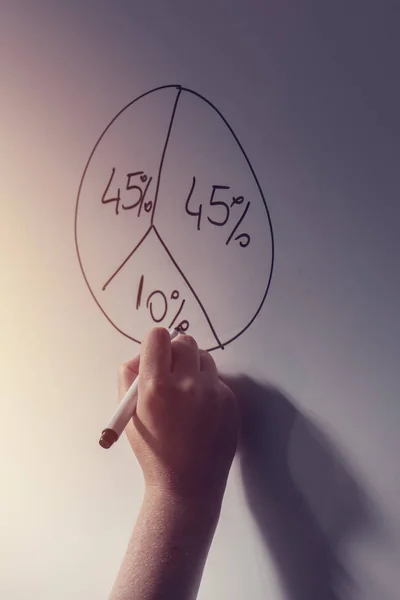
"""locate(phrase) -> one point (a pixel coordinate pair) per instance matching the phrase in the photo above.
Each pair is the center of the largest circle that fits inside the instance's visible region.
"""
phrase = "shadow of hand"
(300, 492)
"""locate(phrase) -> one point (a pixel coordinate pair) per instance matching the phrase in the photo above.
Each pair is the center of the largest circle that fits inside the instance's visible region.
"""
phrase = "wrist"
(206, 506)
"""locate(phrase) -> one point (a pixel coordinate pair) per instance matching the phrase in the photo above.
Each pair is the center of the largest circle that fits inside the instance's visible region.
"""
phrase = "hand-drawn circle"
(143, 178)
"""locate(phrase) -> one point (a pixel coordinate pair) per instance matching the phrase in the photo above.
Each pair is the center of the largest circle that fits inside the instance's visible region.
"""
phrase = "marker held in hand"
(124, 412)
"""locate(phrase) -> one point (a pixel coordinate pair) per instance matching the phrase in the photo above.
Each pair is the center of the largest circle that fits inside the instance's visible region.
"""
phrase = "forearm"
(168, 549)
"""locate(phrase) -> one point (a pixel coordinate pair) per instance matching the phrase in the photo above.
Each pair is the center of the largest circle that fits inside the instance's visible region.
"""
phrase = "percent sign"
(243, 238)
(158, 310)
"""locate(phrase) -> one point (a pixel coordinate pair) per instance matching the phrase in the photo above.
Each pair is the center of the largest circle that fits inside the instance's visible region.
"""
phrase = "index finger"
(155, 354)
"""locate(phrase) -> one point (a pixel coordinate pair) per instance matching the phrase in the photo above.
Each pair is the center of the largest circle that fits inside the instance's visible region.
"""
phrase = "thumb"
(128, 372)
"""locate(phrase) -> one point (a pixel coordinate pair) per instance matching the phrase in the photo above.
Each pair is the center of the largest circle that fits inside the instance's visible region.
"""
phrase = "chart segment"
(209, 194)
(140, 296)
(117, 195)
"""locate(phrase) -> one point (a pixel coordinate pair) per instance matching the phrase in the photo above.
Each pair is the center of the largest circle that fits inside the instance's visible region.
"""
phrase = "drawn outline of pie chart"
(149, 213)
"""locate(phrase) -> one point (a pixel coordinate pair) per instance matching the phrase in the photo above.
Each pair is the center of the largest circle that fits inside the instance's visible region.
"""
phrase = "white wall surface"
(312, 91)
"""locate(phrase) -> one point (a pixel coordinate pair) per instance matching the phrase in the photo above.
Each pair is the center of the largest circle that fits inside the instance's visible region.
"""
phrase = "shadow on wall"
(302, 495)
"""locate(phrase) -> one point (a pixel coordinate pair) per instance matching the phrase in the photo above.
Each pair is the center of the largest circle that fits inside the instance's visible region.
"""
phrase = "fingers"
(185, 356)
(155, 354)
(128, 372)
(159, 357)
(207, 365)
(227, 391)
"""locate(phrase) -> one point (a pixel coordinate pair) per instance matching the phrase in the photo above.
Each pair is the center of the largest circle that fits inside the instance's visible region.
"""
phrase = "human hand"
(185, 428)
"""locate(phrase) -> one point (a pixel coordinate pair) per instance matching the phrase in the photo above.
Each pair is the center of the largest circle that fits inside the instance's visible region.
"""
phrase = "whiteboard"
(294, 108)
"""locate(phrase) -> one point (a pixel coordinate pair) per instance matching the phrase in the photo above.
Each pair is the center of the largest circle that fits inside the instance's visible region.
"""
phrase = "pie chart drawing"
(171, 225)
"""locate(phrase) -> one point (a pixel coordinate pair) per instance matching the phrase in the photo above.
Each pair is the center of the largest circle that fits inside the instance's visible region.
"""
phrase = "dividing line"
(164, 152)
(190, 287)
(127, 258)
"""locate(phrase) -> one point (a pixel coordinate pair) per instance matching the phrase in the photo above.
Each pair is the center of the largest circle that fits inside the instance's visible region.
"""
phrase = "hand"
(185, 428)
